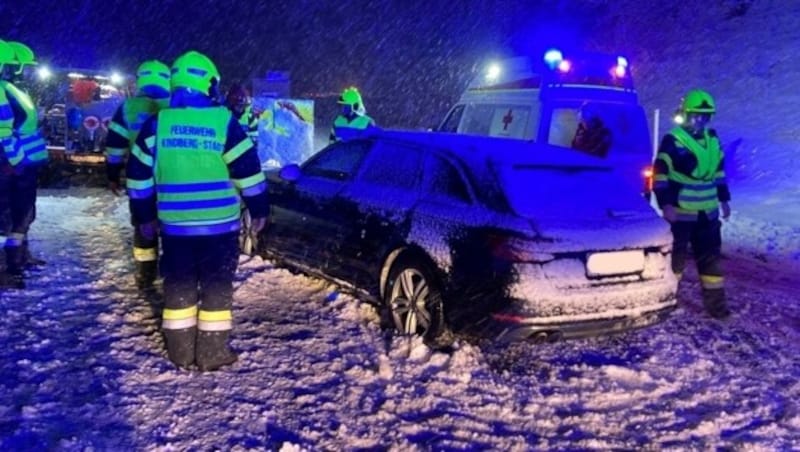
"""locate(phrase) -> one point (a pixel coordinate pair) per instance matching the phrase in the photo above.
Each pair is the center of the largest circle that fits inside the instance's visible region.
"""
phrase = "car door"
(376, 207)
(303, 210)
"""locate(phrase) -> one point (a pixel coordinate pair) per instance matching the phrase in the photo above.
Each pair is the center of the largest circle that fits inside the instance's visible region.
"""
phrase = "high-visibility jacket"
(249, 122)
(125, 126)
(27, 143)
(359, 122)
(6, 127)
(188, 168)
(689, 174)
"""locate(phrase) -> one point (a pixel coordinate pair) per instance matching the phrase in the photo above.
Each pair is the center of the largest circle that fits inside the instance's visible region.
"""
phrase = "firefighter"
(6, 170)
(191, 194)
(239, 102)
(690, 186)
(26, 153)
(353, 115)
(152, 94)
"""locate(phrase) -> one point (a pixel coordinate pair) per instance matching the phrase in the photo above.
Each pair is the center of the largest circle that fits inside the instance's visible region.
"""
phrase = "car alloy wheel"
(415, 303)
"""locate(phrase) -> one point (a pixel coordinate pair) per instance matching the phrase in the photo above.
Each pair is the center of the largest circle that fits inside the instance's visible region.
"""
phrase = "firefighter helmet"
(24, 54)
(698, 101)
(152, 75)
(194, 71)
(350, 96)
(6, 53)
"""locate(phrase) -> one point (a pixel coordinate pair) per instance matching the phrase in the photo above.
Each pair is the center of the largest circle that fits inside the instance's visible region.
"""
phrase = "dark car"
(451, 232)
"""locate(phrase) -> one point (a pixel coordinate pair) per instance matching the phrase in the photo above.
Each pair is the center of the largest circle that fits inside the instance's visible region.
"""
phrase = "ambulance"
(585, 102)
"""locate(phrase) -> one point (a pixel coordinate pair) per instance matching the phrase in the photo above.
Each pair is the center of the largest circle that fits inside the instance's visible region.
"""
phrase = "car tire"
(414, 305)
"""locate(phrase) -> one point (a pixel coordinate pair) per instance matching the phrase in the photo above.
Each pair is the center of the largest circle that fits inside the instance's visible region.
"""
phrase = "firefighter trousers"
(198, 281)
(145, 254)
(17, 213)
(704, 236)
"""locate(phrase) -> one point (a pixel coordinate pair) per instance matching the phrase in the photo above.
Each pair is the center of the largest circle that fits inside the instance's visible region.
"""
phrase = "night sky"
(410, 59)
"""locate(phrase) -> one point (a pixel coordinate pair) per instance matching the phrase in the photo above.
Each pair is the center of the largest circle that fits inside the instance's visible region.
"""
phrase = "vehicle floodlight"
(493, 71)
(44, 73)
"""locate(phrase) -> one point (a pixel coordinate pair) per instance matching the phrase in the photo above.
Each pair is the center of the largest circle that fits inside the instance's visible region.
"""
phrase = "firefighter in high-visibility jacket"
(6, 170)
(188, 169)
(239, 102)
(352, 116)
(152, 95)
(691, 189)
(25, 153)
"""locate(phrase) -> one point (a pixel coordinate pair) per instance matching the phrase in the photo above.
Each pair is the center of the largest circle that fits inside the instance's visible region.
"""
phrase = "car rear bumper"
(506, 327)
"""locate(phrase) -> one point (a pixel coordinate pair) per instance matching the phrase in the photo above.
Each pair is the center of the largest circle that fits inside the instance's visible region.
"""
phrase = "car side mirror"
(290, 173)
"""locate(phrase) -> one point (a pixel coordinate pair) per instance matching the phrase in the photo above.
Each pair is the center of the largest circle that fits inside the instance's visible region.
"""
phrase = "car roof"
(479, 151)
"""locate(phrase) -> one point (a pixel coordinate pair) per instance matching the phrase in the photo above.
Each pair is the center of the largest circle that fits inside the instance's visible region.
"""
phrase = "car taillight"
(515, 249)
(648, 174)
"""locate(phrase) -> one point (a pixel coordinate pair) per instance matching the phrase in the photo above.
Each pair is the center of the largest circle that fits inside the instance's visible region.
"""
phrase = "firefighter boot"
(180, 346)
(146, 273)
(13, 276)
(213, 351)
(714, 302)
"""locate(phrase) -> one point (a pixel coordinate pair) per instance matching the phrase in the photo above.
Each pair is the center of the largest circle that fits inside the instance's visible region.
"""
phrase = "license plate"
(615, 263)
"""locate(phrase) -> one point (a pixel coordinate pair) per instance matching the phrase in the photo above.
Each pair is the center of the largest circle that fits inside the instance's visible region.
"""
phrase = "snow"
(82, 365)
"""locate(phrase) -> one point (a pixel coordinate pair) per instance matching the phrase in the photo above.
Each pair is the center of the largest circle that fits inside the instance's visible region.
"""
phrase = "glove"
(149, 230)
(669, 213)
(726, 210)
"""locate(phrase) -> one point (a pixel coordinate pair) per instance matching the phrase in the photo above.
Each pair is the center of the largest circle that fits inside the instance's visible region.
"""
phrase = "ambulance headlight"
(619, 71)
(564, 66)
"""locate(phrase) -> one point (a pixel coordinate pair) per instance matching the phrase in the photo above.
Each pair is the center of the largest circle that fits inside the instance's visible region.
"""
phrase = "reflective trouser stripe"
(15, 239)
(215, 320)
(711, 281)
(178, 319)
(144, 254)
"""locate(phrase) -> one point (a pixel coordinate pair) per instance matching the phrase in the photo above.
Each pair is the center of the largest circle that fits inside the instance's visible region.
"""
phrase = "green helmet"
(698, 101)
(350, 96)
(195, 71)
(6, 54)
(152, 75)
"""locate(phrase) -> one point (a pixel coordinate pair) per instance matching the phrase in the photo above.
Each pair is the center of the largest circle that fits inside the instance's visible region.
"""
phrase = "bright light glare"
(493, 71)
(679, 119)
(564, 66)
(116, 78)
(619, 71)
(622, 61)
(43, 72)
(553, 57)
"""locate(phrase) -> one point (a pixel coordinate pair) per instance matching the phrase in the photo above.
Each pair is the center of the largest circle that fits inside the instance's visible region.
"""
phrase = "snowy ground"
(83, 367)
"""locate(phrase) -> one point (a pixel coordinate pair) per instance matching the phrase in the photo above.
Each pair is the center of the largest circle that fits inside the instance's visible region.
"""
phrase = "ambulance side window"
(453, 119)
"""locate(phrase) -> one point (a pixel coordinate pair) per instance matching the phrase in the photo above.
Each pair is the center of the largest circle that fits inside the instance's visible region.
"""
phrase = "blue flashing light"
(553, 57)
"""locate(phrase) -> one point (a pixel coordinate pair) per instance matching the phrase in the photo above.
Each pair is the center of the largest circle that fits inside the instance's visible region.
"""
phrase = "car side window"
(339, 161)
(453, 120)
(445, 181)
(392, 165)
